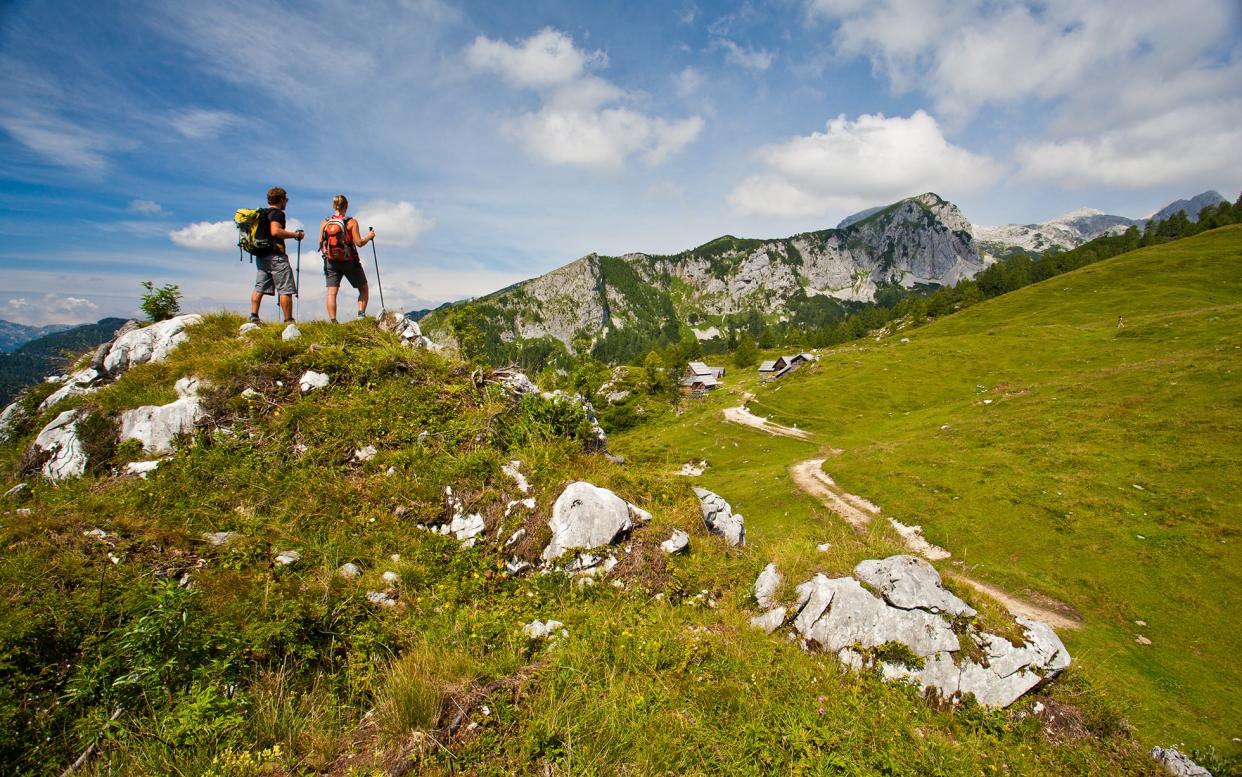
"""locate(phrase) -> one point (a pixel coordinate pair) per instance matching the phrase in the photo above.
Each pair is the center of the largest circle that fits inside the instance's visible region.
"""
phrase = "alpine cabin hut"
(698, 378)
(782, 365)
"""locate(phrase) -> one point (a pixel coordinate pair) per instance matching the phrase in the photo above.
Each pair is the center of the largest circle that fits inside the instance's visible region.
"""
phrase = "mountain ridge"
(917, 240)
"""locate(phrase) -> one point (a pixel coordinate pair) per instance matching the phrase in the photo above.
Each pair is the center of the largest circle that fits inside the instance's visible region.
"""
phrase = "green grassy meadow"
(1080, 439)
(160, 654)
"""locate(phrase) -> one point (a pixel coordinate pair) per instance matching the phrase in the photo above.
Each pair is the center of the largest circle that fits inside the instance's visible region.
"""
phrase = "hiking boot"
(289, 321)
(362, 315)
(331, 320)
(254, 318)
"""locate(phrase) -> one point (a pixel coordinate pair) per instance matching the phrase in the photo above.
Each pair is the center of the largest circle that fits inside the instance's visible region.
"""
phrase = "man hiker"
(339, 241)
(275, 276)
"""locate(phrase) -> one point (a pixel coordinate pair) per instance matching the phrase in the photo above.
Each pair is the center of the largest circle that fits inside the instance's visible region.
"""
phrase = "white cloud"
(602, 139)
(1187, 147)
(745, 56)
(59, 141)
(547, 58)
(396, 223)
(200, 124)
(967, 54)
(688, 81)
(854, 164)
(206, 236)
(49, 309)
(145, 207)
(583, 121)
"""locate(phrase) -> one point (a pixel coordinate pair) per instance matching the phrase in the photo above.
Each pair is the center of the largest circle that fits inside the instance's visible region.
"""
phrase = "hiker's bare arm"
(359, 239)
(282, 233)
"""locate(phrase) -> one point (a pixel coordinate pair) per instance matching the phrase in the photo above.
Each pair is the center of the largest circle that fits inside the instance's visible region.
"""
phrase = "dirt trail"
(810, 477)
(858, 512)
(740, 415)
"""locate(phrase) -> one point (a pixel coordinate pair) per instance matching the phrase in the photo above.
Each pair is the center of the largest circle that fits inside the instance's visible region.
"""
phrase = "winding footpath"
(741, 415)
(810, 477)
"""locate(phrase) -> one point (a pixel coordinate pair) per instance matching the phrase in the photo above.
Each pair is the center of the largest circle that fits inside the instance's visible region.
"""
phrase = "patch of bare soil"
(1060, 616)
(809, 477)
(740, 415)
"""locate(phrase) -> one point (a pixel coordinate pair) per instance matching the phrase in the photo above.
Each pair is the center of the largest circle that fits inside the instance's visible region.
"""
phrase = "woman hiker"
(339, 240)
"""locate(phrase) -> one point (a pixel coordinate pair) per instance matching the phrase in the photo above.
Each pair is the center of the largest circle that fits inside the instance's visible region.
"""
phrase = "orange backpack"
(336, 243)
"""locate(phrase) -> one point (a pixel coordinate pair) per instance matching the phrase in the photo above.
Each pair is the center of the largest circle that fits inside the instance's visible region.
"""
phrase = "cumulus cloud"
(547, 58)
(583, 120)
(145, 207)
(206, 236)
(49, 309)
(1197, 143)
(854, 164)
(1137, 92)
(219, 235)
(745, 56)
(396, 223)
(966, 54)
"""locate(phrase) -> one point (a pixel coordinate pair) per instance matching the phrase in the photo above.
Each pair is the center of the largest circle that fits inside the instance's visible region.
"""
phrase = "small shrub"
(162, 303)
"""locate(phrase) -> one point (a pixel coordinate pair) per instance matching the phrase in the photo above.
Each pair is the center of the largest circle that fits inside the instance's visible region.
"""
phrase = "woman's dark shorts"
(334, 271)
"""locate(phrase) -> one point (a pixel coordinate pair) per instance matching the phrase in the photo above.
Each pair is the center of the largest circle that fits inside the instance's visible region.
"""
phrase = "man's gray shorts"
(274, 275)
(334, 271)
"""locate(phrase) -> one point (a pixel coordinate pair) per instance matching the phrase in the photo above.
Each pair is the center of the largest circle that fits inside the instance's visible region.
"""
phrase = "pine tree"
(747, 353)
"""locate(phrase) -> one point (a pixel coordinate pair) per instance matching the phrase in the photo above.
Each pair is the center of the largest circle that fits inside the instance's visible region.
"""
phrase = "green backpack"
(254, 231)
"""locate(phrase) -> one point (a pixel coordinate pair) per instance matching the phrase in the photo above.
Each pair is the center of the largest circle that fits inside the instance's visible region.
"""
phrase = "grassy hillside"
(1079, 440)
(126, 635)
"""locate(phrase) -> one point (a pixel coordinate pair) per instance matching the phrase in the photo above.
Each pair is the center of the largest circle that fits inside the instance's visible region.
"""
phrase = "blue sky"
(491, 142)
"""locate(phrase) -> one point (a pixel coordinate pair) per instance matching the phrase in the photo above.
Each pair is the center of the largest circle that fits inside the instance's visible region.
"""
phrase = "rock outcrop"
(765, 586)
(923, 239)
(1177, 764)
(719, 517)
(679, 542)
(914, 610)
(147, 344)
(81, 382)
(584, 517)
(158, 426)
(59, 442)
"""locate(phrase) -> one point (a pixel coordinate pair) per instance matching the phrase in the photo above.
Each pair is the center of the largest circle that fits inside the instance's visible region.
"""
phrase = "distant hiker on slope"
(275, 276)
(339, 240)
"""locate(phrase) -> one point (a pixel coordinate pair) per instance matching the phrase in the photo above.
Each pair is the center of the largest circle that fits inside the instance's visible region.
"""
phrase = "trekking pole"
(297, 285)
(378, 282)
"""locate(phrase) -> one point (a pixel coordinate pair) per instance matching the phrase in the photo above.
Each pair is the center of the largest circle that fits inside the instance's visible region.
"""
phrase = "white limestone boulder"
(158, 426)
(59, 441)
(148, 344)
(769, 621)
(13, 414)
(912, 609)
(719, 517)
(678, 543)
(839, 613)
(80, 382)
(291, 332)
(584, 517)
(537, 629)
(765, 586)
(909, 582)
(1177, 764)
(142, 468)
(311, 381)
